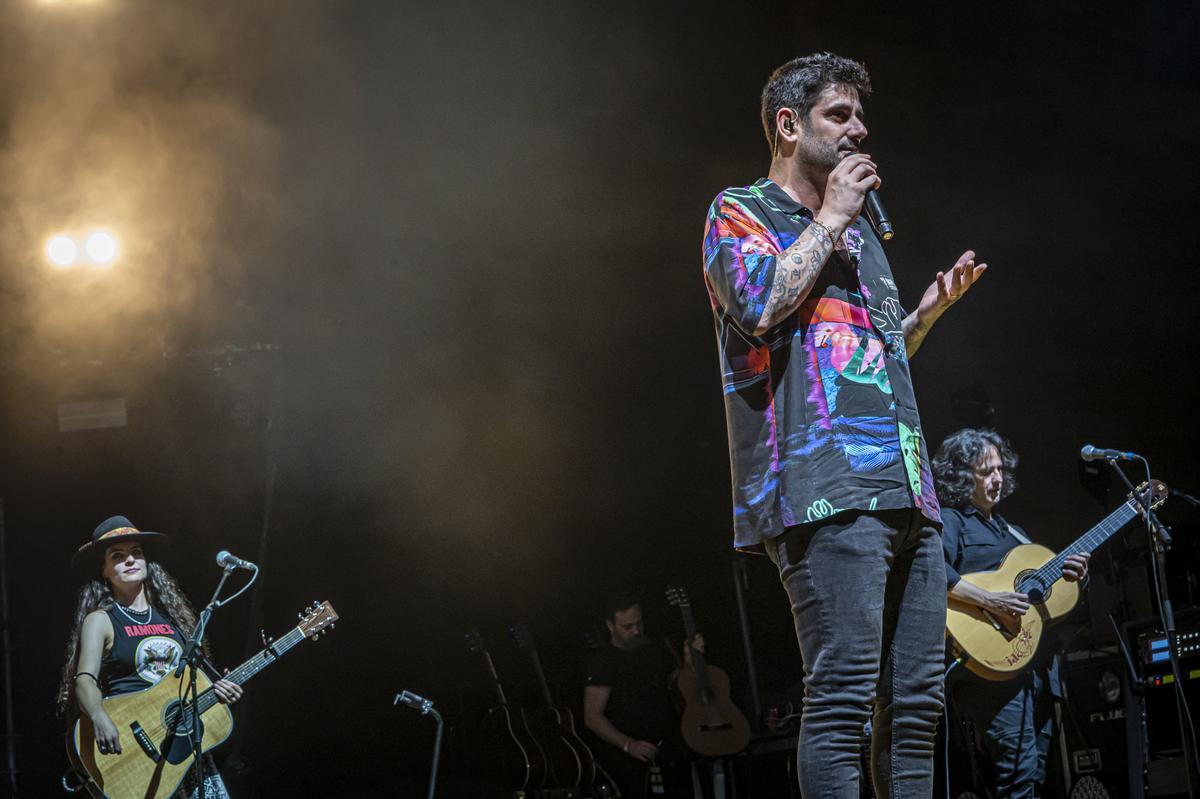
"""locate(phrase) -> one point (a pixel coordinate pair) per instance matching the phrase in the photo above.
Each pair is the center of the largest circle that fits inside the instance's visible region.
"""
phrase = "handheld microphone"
(227, 560)
(1090, 453)
(878, 217)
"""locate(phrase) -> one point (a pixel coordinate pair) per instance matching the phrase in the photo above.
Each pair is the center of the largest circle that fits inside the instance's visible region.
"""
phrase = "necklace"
(129, 614)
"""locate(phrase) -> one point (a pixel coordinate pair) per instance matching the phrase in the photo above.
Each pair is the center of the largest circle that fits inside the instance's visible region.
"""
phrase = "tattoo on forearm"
(914, 333)
(796, 270)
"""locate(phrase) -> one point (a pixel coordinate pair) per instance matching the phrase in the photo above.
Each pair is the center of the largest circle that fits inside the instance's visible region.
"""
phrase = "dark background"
(433, 274)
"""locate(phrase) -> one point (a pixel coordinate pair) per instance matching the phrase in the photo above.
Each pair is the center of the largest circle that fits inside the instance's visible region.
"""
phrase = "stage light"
(61, 250)
(101, 247)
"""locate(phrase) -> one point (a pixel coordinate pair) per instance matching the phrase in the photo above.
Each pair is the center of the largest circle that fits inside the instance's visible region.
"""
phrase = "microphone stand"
(1160, 543)
(191, 657)
(427, 709)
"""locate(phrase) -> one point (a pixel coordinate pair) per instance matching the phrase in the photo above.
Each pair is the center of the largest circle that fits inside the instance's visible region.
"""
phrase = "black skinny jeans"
(868, 595)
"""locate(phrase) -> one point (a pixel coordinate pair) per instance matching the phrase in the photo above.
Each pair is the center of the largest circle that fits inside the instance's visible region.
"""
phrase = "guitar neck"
(1106, 529)
(494, 676)
(689, 631)
(254, 665)
(541, 675)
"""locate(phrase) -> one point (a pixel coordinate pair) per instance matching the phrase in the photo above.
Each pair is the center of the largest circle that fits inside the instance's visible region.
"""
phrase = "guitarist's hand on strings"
(108, 738)
(227, 691)
(696, 643)
(1007, 603)
(1075, 567)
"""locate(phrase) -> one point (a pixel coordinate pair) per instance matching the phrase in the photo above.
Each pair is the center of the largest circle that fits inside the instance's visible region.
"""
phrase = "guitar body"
(587, 759)
(998, 648)
(563, 765)
(516, 753)
(710, 723)
(134, 772)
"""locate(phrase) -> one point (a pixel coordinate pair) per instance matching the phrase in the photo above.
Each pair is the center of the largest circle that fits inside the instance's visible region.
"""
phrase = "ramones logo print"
(155, 656)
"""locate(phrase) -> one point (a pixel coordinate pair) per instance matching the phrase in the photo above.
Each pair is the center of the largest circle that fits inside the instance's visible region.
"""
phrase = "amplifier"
(1095, 723)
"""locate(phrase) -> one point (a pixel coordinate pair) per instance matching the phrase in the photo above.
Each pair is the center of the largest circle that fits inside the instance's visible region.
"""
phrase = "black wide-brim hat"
(85, 563)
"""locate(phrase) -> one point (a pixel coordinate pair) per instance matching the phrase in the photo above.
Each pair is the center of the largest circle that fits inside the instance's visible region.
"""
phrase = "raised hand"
(949, 287)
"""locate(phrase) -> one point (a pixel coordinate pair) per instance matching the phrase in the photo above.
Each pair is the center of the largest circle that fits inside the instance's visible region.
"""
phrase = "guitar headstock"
(317, 619)
(523, 636)
(1155, 493)
(475, 643)
(677, 597)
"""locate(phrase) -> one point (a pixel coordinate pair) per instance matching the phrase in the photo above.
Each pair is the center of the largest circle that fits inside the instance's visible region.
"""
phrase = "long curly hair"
(955, 461)
(162, 592)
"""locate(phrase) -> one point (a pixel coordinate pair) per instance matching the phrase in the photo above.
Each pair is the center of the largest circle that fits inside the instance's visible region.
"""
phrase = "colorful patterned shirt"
(820, 408)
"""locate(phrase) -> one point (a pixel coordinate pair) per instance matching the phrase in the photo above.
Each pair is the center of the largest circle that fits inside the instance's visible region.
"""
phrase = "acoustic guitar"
(513, 749)
(568, 758)
(1000, 648)
(156, 726)
(710, 723)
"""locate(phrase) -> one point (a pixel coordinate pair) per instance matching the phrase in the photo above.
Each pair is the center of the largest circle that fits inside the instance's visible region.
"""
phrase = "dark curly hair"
(955, 461)
(161, 591)
(798, 83)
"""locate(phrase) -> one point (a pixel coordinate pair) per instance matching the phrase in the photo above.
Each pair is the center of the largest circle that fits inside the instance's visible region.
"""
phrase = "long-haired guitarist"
(628, 705)
(131, 624)
(1012, 719)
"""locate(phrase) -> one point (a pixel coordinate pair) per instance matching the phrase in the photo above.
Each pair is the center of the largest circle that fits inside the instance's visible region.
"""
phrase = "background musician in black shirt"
(1012, 719)
(627, 703)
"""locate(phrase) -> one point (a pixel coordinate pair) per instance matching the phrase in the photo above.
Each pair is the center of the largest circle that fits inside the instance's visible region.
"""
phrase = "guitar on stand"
(711, 723)
(1000, 648)
(575, 757)
(520, 757)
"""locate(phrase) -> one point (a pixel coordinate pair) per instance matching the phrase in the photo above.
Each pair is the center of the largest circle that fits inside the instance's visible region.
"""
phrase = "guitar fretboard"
(254, 665)
(1051, 571)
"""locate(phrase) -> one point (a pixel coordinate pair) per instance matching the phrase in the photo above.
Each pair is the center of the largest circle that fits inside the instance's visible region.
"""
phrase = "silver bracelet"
(828, 230)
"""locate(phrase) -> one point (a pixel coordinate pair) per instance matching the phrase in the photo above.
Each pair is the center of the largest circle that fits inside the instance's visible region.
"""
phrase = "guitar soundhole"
(177, 718)
(1032, 587)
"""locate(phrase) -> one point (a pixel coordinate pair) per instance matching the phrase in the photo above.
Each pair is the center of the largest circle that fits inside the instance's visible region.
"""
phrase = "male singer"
(830, 469)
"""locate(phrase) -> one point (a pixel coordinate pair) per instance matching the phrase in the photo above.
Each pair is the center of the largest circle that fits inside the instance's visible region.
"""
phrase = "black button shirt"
(974, 543)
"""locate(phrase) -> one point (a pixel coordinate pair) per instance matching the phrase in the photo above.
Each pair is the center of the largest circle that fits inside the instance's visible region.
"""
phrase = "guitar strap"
(1014, 532)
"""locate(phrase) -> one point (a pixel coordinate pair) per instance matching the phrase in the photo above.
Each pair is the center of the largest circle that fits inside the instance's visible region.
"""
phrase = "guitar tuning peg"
(316, 636)
(299, 615)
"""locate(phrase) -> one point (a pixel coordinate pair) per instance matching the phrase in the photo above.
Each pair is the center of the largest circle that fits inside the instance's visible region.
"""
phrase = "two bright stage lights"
(98, 248)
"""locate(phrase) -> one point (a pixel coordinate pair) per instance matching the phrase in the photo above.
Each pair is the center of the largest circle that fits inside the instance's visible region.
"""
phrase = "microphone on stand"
(1090, 453)
(227, 560)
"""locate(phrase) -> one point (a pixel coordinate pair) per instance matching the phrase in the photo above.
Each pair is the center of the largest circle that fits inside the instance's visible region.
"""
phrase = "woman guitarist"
(131, 624)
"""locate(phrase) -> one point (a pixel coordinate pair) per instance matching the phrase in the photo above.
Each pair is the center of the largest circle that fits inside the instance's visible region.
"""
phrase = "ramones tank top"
(144, 649)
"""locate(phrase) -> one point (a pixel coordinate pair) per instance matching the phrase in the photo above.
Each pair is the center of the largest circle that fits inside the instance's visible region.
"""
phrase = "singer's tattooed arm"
(796, 271)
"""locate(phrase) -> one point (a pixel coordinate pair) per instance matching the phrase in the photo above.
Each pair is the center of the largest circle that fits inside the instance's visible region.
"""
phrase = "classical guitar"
(516, 752)
(155, 725)
(711, 724)
(999, 648)
(568, 759)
